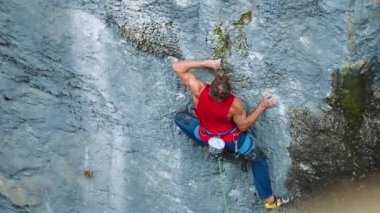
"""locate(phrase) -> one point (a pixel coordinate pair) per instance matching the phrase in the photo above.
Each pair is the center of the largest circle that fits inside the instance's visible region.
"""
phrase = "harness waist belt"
(219, 134)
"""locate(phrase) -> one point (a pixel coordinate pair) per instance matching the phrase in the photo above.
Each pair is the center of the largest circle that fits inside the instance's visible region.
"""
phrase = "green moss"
(350, 98)
(353, 97)
(245, 18)
(350, 94)
(223, 43)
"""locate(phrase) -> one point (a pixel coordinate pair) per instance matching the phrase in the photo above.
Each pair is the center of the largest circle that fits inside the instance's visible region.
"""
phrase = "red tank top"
(213, 119)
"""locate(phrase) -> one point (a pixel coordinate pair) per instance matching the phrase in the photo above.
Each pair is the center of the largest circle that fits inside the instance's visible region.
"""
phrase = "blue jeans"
(188, 123)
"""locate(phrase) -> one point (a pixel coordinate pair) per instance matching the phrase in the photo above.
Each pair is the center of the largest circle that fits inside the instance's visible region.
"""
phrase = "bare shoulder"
(237, 107)
(238, 103)
(196, 86)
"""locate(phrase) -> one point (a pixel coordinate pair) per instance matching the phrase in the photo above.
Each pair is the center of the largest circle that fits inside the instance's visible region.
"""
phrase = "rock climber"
(220, 113)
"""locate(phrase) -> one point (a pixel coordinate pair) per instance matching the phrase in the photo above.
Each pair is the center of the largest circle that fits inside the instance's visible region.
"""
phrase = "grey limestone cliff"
(87, 97)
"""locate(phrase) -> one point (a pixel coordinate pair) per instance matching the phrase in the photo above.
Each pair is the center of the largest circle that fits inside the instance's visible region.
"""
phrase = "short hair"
(220, 87)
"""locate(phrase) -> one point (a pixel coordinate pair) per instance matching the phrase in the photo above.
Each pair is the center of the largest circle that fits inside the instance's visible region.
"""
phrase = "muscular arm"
(183, 70)
(240, 117)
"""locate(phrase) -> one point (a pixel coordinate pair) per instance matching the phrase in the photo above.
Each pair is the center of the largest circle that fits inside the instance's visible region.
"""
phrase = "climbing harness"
(249, 155)
(218, 134)
(216, 143)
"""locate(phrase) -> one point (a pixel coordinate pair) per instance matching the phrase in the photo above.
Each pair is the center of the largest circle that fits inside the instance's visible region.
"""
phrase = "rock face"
(155, 34)
(87, 97)
(341, 142)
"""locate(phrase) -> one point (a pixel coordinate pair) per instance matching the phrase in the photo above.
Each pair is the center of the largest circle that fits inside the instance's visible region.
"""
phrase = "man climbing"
(219, 113)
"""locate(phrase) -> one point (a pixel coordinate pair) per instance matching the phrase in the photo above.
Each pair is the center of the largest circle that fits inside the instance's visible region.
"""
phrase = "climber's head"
(220, 87)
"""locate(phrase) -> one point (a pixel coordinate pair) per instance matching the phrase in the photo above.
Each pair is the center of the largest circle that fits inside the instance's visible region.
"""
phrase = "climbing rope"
(223, 185)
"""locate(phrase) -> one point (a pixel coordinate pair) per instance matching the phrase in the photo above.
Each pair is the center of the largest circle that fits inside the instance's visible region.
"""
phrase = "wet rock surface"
(87, 97)
(342, 142)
